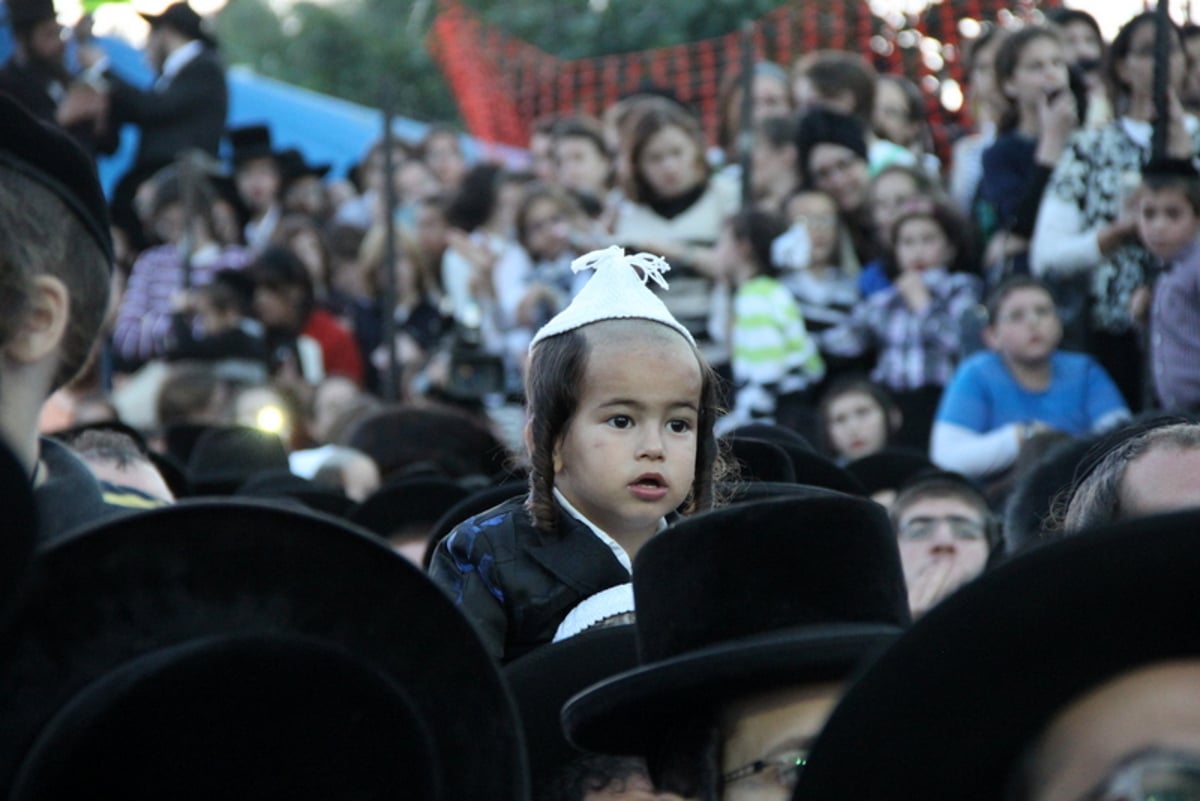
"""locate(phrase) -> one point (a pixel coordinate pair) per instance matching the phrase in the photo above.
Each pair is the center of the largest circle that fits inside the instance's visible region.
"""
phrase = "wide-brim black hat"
(949, 710)
(224, 457)
(183, 19)
(745, 599)
(251, 142)
(24, 14)
(403, 504)
(293, 165)
(543, 680)
(210, 592)
(760, 459)
(889, 469)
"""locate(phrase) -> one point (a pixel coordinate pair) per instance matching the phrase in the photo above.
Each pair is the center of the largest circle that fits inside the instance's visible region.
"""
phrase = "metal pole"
(391, 292)
(745, 141)
(1162, 73)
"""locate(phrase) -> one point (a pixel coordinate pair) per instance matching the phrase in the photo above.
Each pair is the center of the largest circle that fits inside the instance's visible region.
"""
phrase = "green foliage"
(371, 50)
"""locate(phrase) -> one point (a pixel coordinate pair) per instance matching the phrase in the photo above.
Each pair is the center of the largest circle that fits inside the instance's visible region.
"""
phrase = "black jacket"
(186, 112)
(515, 582)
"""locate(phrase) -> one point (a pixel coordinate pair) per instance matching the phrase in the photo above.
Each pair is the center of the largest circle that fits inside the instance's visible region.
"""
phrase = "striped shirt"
(916, 349)
(773, 354)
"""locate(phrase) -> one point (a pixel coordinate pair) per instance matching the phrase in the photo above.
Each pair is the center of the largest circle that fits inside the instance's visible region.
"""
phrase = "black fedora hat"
(404, 504)
(198, 610)
(949, 711)
(46, 155)
(286, 485)
(760, 459)
(224, 457)
(744, 599)
(889, 469)
(183, 19)
(24, 14)
(543, 680)
(293, 165)
(820, 471)
(251, 142)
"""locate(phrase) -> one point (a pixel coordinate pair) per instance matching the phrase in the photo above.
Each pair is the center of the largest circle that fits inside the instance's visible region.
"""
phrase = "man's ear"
(45, 322)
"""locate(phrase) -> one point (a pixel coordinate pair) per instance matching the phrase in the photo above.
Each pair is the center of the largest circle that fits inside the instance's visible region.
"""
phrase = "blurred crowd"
(958, 355)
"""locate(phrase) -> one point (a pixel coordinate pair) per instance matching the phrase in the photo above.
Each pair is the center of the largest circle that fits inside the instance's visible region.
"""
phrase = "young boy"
(56, 256)
(1169, 226)
(1022, 386)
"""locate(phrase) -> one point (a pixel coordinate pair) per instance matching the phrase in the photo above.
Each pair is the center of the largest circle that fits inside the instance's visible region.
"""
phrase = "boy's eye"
(620, 421)
(679, 426)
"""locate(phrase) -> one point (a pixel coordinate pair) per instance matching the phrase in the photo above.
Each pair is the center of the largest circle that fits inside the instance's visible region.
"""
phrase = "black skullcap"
(47, 155)
(822, 126)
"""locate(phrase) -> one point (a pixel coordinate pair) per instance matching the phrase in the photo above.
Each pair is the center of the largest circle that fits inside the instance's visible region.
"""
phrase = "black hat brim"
(631, 712)
(949, 710)
(97, 601)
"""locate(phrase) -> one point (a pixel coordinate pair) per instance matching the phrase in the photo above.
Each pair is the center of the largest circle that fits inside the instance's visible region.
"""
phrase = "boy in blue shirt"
(1000, 398)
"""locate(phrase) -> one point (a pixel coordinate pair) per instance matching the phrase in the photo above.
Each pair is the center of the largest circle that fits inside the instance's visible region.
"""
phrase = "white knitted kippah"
(595, 609)
(617, 291)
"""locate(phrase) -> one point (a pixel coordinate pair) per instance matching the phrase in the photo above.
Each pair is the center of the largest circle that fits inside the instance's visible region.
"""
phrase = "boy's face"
(1167, 223)
(1026, 329)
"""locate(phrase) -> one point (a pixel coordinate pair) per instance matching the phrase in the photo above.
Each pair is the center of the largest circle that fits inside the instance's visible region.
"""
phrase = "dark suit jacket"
(515, 582)
(36, 88)
(188, 112)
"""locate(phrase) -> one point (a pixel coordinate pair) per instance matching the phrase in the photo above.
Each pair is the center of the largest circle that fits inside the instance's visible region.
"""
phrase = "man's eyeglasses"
(782, 771)
(961, 528)
(1155, 774)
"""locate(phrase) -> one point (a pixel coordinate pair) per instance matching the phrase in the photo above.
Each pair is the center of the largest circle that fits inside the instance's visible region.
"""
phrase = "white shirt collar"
(617, 550)
(180, 58)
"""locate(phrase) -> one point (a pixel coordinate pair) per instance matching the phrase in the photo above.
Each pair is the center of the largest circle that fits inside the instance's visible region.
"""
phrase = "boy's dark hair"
(759, 229)
(1184, 179)
(580, 126)
(553, 385)
(836, 71)
(591, 773)
(42, 238)
(475, 200)
(109, 445)
(229, 292)
(851, 384)
(1008, 286)
(953, 225)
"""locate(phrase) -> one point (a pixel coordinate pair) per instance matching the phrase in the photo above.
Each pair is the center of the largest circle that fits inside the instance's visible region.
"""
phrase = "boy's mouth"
(649, 487)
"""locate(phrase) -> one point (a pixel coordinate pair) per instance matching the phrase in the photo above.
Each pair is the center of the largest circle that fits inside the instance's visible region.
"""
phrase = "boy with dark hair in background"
(1168, 218)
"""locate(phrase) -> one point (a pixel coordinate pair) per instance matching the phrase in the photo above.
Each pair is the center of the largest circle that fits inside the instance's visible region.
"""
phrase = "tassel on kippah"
(617, 291)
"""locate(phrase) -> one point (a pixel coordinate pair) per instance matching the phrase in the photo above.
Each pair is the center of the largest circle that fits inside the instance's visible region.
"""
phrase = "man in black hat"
(37, 76)
(258, 173)
(55, 261)
(184, 110)
(1068, 673)
(750, 619)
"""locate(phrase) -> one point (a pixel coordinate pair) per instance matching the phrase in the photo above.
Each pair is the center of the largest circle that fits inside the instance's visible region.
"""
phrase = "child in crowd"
(826, 291)
(857, 417)
(1169, 226)
(774, 360)
(915, 325)
(1024, 385)
(621, 409)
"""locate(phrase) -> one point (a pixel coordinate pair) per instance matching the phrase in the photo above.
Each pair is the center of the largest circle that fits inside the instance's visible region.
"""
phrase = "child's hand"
(1058, 118)
(1139, 305)
(913, 291)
